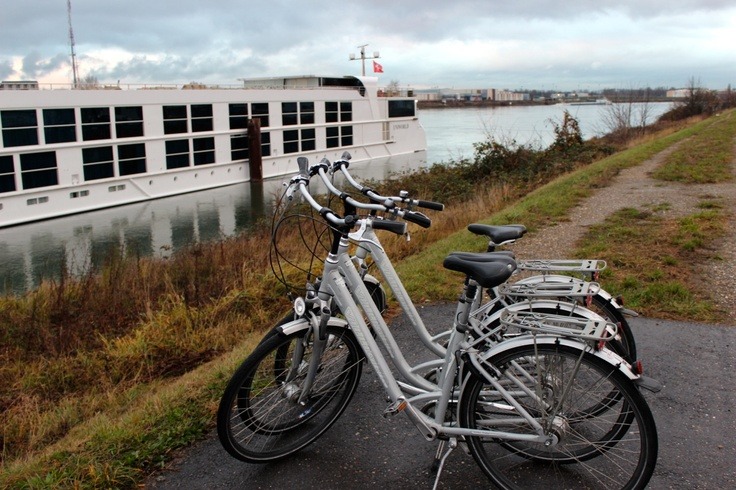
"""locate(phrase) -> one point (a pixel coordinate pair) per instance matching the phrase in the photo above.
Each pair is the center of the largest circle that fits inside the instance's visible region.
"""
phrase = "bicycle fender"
(606, 355)
(303, 324)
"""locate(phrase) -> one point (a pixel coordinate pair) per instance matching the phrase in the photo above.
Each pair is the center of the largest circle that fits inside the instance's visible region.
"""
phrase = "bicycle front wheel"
(613, 448)
(260, 418)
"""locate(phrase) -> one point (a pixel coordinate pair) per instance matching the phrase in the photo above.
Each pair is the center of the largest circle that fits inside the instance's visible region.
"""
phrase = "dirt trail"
(634, 187)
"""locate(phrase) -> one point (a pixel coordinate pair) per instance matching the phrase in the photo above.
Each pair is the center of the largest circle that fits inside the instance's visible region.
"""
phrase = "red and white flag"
(377, 68)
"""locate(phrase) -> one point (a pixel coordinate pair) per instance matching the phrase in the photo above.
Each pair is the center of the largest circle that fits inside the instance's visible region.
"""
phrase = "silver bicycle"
(543, 291)
(527, 407)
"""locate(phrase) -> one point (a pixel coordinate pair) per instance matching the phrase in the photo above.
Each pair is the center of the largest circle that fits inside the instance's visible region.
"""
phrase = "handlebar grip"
(437, 206)
(303, 165)
(417, 218)
(397, 227)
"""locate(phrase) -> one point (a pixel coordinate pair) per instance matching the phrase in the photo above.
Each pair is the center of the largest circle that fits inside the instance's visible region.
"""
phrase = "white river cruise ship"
(71, 151)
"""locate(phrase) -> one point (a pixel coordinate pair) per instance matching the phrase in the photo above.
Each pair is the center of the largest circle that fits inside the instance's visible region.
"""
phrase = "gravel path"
(634, 187)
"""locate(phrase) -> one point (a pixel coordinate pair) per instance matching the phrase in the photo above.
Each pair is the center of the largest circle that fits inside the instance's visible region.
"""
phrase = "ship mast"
(75, 71)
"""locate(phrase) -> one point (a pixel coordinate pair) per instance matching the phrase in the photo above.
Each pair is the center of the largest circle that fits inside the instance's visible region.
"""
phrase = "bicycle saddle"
(498, 256)
(498, 234)
(486, 274)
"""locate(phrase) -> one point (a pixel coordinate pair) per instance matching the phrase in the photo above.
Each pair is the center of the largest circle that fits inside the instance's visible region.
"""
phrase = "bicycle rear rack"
(586, 266)
(561, 325)
(550, 289)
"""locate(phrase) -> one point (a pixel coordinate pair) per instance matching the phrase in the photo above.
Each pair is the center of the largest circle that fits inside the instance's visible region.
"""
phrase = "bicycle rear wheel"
(260, 420)
(613, 448)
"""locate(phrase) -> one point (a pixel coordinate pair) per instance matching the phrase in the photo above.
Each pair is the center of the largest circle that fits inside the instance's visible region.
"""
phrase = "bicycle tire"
(259, 419)
(615, 449)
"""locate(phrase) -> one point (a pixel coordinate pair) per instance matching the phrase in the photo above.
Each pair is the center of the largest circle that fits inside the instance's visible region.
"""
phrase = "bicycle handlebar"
(321, 170)
(388, 205)
(300, 182)
(342, 165)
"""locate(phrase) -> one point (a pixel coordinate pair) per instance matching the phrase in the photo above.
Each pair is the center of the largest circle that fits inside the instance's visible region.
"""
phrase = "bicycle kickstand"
(439, 461)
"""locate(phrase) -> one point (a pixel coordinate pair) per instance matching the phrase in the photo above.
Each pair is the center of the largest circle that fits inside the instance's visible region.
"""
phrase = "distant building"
(680, 93)
(19, 85)
(506, 96)
(427, 96)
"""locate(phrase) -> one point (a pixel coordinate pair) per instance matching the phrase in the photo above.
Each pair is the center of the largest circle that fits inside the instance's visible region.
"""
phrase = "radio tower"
(75, 71)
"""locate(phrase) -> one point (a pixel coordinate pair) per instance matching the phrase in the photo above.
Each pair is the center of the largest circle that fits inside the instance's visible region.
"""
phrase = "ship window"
(333, 136)
(77, 194)
(338, 112)
(260, 111)
(129, 121)
(97, 163)
(306, 112)
(331, 114)
(238, 147)
(201, 118)
(203, 150)
(177, 154)
(38, 169)
(293, 113)
(289, 115)
(291, 141)
(175, 119)
(19, 128)
(238, 116)
(7, 174)
(346, 133)
(308, 139)
(339, 136)
(296, 140)
(401, 108)
(59, 125)
(95, 123)
(37, 200)
(346, 111)
(132, 159)
(265, 144)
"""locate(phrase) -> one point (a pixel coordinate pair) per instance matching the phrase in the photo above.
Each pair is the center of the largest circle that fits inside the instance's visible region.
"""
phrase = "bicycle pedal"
(394, 408)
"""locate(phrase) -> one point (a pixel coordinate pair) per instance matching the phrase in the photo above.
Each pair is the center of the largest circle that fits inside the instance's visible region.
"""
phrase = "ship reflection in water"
(81, 243)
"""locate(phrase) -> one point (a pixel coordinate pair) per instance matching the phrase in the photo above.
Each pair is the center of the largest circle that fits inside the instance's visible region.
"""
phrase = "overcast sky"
(551, 45)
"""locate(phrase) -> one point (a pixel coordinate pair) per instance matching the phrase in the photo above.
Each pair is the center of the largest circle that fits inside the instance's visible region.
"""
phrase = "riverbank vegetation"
(102, 376)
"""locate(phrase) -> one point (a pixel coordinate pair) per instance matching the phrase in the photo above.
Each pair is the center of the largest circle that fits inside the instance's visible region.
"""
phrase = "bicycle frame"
(342, 283)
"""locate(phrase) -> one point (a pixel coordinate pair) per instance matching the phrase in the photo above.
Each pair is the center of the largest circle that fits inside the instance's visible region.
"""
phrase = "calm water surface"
(452, 132)
(157, 228)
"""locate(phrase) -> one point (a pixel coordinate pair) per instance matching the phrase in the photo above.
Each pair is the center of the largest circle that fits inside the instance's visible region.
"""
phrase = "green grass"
(706, 157)
(653, 262)
(423, 274)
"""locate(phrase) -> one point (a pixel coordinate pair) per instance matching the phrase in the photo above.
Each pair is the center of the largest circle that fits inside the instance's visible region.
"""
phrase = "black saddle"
(498, 234)
(487, 271)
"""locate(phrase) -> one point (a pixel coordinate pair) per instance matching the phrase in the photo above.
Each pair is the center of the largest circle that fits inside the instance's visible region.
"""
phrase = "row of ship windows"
(20, 127)
(39, 169)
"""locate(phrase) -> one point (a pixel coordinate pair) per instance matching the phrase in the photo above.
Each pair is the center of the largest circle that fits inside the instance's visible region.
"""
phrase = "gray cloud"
(451, 43)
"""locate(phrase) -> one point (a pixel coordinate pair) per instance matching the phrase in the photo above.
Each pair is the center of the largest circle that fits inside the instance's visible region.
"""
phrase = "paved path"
(694, 414)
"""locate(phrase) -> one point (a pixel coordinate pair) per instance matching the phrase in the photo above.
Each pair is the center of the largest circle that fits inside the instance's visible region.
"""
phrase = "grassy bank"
(154, 387)
(423, 272)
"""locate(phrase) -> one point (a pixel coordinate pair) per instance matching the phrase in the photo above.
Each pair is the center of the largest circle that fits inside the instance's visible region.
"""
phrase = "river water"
(79, 243)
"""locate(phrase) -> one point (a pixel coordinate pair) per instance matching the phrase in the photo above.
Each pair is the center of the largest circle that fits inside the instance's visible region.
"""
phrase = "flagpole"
(363, 57)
